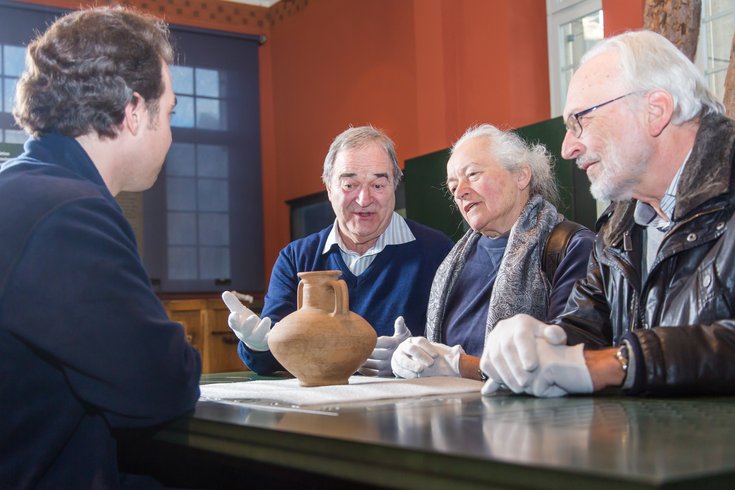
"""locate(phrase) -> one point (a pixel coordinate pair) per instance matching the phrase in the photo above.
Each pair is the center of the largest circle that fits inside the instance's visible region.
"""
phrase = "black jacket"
(680, 321)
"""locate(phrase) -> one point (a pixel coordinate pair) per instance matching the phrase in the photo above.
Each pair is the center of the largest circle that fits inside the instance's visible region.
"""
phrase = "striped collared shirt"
(656, 226)
(397, 233)
(645, 215)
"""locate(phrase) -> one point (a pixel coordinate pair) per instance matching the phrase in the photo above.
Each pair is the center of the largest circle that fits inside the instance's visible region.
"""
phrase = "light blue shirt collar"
(396, 233)
(645, 215)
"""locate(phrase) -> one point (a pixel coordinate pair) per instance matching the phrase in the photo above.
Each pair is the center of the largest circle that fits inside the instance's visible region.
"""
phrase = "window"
(201, 224)
(203, 217)
(200, 101)
(197, 185)
(12, 62)
(573, 27)
(197, 207)
(715, 42)
(20, 23)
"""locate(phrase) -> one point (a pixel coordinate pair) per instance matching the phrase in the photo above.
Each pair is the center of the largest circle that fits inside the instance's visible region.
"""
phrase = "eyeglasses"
(574, 123)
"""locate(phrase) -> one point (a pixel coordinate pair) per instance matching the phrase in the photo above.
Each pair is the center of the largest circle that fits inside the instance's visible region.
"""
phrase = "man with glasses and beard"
(654, 314)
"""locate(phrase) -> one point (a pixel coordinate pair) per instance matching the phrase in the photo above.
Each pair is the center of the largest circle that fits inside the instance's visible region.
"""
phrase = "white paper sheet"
(360, 388)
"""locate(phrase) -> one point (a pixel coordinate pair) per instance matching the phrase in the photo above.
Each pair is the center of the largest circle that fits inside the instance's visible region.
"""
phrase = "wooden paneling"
(205, 322)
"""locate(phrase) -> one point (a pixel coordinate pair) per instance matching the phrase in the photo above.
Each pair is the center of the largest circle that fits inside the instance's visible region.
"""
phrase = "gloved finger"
(555, 335)
(542, 385)
(494, 382)
(506, 375)
(382, 373)
(245, 326)
(387, 342)
(365, 371)
(507, 362)
(403, 362)
(486, 366)
(401, 372)
(419, 352)
(234, 304)
(490, 387)
(524, 341)
(262, 329)
(375, 367)
(374, 364)
(426, 345)
(554, 391)
(400, 329)
(233, 321)
(382, 354)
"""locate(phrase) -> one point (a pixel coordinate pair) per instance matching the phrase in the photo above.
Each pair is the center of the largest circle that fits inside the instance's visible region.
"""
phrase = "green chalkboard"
(427, 198)
(428, 202)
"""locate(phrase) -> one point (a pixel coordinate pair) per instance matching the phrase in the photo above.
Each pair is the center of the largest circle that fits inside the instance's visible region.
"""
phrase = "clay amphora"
(322, 342)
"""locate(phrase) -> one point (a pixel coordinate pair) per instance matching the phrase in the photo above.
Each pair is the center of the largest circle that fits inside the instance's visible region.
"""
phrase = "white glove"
(378, 364)
(510, 355)
(562, 370)
(247, 326)
(416, 357)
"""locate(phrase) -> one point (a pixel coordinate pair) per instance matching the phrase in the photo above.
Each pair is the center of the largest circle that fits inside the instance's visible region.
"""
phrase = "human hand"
(510, 355)
(378, 364)
(247, 326)
(562, 370)
(416, 357)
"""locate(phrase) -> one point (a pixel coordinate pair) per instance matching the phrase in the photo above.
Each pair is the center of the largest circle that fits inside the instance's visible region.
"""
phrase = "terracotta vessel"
(322, 342)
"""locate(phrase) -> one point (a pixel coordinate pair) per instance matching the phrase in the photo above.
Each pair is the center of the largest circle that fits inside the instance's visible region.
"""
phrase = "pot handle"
(341, 297)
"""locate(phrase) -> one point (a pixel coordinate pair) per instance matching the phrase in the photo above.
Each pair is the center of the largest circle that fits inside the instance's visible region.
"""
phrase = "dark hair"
(82, 72)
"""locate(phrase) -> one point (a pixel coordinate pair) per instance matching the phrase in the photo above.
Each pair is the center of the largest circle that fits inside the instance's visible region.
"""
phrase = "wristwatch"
(623, 356)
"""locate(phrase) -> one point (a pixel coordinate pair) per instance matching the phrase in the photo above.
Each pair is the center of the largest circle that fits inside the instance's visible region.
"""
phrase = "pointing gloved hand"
(561, 370)
(416, 357)
(510, 356)
(247, 326)
(378, 364)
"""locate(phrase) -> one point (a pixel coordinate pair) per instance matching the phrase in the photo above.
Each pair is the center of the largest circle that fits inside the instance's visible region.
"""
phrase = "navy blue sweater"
(85, 344)
(396, 283)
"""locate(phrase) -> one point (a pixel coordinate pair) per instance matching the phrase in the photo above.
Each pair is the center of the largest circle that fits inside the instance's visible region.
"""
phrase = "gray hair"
(513, 153)
(360, 137)
(649, 61)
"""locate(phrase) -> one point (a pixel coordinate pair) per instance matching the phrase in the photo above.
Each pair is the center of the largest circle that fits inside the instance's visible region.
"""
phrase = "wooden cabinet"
(205, 322)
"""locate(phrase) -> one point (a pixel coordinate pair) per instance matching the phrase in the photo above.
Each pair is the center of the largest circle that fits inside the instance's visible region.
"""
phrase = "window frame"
(558, 13)
(700, 59)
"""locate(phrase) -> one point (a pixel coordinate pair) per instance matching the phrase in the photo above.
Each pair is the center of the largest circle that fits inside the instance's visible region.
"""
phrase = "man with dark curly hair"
(86, 345)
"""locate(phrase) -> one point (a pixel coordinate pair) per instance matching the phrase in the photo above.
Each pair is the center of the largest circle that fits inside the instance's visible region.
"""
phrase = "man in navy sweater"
(86, 345)
(388, 262)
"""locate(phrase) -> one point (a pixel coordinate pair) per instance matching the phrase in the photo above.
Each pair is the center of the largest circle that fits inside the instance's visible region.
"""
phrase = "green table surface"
(471, 441)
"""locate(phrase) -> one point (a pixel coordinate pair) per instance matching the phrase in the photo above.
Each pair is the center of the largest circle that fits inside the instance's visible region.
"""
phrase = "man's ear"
(659, 111)
(134, 113)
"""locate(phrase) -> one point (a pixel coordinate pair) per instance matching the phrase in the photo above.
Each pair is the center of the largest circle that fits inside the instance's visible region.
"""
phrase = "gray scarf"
(520, 286)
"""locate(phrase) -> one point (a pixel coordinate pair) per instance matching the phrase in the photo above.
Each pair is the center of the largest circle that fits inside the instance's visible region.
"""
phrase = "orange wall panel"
(622, 15)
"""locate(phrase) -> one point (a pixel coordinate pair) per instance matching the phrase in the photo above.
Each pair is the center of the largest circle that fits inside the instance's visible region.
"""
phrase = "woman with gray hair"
(506, 263)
